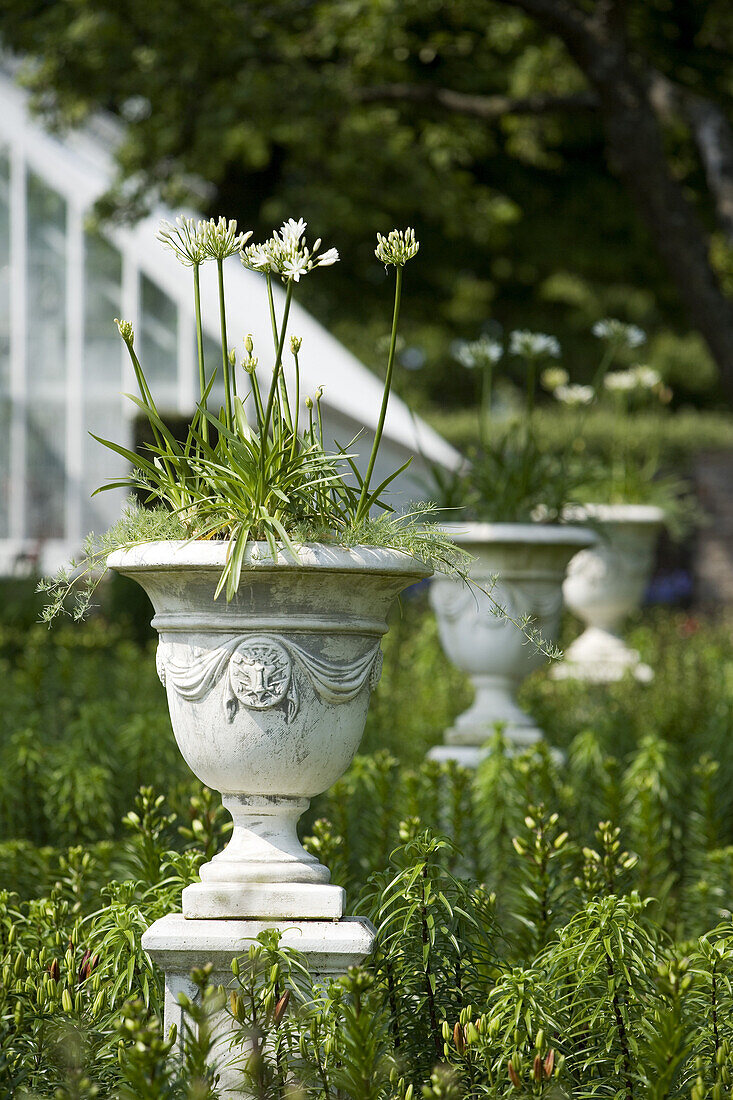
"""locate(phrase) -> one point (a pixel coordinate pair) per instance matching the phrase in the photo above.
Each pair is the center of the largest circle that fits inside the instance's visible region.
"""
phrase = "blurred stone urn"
(528, 562)
(605, 584)
(268, 696)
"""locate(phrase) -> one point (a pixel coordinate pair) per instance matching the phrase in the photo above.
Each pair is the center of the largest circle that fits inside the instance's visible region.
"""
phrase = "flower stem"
(294, 441)
(200, 348)
(278, 360)
(224, 347)
(363, 498)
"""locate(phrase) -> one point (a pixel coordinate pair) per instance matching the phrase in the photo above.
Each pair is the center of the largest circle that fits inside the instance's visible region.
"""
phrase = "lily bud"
(459, 1038)
(280, 1008)
(514, 1077)
(549, 1063)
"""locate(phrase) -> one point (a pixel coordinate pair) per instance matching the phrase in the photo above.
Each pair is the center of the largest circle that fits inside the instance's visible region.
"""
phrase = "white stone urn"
(528, 561)
(268, 696)
(604, 585)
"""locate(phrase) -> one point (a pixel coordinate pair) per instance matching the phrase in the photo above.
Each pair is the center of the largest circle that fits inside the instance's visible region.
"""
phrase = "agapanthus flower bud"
(221, 239)
(552, 377)
(295, 344)
(126, 331)
(397, 247)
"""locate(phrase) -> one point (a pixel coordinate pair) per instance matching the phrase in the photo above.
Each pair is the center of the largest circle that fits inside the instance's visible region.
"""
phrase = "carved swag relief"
(257, 672)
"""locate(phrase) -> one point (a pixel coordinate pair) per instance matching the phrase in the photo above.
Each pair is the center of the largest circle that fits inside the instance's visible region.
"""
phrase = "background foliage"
(259, 112)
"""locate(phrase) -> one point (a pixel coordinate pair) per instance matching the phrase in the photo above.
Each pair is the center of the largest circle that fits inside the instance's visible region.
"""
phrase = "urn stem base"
(494, 707)
(264, 871)
(601, 656)
(251, 900)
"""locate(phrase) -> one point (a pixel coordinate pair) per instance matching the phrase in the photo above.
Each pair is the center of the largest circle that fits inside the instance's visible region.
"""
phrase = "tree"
(492, 123)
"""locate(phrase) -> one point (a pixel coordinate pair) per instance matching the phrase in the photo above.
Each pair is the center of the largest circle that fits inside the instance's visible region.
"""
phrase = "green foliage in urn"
(256, 470)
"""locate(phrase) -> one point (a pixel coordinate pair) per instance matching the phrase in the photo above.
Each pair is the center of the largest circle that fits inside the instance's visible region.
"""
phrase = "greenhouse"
(64, 370)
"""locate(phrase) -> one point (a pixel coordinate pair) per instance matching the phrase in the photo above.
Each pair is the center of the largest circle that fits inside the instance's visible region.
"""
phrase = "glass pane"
(103, 380)
(158, 342)
(102, 297)
(45, 467)
(46, 345)
(4, 343)
(101, 465)
(4, 466)
(4, 271)
(46, 362)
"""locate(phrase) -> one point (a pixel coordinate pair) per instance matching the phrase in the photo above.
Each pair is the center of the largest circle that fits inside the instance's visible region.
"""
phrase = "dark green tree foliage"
(478, 121)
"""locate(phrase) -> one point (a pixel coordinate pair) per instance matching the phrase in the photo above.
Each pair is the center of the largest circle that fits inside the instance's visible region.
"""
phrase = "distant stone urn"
(268, 696)
(604, 585)
(528, 562)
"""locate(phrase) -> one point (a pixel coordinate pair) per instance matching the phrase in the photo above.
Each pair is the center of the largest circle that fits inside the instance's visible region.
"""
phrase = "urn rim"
(616, 513)
(196, 555)
(538, 534)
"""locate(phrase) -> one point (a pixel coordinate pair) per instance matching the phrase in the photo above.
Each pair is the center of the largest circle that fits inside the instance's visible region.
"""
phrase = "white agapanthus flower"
(286, 253)
(397, 247)
(647, 378)
(574, 394)
(221, 239)
(483, 352)
(533, 345)
(618, 332)
(185, 240)
(621, 381)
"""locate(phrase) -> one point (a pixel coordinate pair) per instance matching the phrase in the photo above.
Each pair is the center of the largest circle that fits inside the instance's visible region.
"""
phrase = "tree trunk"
(636, 153)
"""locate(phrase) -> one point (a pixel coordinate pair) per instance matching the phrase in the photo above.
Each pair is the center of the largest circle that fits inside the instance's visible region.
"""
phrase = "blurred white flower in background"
(533, 345)
(484, 352)
(574, 394)
(618, 332)
(552, 377)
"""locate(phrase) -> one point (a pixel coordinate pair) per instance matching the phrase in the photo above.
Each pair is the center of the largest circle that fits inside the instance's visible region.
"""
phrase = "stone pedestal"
(178, 945)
